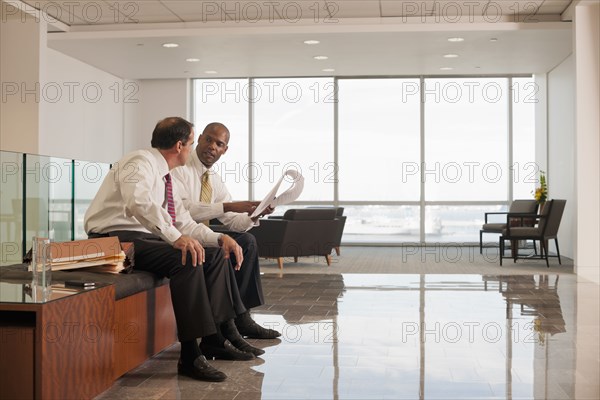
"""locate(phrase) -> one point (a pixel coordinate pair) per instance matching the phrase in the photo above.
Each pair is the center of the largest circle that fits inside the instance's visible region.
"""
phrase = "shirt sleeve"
(237, 222)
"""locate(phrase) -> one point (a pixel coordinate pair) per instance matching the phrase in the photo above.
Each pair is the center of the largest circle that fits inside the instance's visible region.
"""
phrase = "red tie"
(170, 202)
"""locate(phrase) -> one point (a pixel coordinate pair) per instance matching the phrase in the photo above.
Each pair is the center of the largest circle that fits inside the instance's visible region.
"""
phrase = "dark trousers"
(202, 295)
(248, 277)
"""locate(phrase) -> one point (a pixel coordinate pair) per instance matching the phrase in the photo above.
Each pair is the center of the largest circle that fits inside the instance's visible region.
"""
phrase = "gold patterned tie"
(206, 193)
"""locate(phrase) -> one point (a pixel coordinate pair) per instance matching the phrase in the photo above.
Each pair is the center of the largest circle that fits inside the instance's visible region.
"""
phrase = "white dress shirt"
(188, 180)
(133, 197)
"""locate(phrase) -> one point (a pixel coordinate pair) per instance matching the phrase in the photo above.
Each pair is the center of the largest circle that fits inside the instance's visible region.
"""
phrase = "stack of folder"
(97, 255)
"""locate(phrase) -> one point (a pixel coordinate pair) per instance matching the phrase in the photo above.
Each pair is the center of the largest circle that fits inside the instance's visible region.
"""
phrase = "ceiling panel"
(554, 6)
(65, 13)
(87, 12)
(256, 38)
(354, 9)
(282, 53)
(144, 11)
(95, 12)
(247, 10)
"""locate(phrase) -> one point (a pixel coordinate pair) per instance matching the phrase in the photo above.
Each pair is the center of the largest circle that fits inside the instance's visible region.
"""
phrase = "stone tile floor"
(404, 336)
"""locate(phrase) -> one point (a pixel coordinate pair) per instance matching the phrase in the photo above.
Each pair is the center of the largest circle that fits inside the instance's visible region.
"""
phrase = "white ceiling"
(265, 38)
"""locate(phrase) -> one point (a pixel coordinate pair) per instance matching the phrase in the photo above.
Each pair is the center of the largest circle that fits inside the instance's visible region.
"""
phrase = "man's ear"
(226, 148)
(178, 146)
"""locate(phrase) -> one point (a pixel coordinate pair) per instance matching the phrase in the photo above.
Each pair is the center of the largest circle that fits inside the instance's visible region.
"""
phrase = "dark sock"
(228, 329)
(244, 319)
(189, 351)
(216, 339)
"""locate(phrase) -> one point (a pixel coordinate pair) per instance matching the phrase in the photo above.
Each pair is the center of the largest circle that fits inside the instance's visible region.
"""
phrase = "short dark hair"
(169, 131)
(213, 126)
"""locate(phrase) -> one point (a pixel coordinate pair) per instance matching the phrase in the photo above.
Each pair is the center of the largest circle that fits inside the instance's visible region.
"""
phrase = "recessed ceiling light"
(311, 42)
(210, 71)
(450, 55)
(320, 57)
(328, 70)
(446, 69)
(456, 39)
(192, 59)
(493, 39)
(170, 45)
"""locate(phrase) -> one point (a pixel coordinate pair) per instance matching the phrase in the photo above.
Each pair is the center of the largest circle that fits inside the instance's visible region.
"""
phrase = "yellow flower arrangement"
(541, 192)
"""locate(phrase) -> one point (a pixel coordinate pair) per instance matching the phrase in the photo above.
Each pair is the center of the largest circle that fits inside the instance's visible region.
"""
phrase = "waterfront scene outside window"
(410, 159)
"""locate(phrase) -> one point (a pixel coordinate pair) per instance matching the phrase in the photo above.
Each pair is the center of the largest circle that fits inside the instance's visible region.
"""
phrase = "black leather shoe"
(230, 331)
(227, 352)
(201, 370)
(248, 348)
(255, 331)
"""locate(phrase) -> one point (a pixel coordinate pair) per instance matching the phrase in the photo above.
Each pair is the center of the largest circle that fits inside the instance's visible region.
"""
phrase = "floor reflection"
(417, 337)
(358, 336)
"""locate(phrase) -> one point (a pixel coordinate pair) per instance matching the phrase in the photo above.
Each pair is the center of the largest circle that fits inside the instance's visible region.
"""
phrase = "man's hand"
(266, 211)
(230, 246)
(241, 206)
(187, 243)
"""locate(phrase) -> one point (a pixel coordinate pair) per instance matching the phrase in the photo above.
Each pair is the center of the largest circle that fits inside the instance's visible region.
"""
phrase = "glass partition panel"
(38, 175)
(88, 178)
(381, 224)
(59, 173)
(11, 207)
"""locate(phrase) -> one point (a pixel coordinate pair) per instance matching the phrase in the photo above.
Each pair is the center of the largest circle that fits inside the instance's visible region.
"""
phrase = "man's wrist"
(220, 240)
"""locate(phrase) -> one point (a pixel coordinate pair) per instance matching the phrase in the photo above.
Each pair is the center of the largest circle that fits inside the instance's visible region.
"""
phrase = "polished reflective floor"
(405, 336)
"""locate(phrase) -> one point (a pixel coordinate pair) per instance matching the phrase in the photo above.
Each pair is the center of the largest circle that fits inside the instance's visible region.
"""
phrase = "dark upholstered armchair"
(517, 206)
(341, 223)
(300, 232)
(546, 229)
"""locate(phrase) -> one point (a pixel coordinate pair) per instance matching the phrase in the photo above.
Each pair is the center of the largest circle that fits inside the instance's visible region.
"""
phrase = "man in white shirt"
(138, 203)
(203, 207)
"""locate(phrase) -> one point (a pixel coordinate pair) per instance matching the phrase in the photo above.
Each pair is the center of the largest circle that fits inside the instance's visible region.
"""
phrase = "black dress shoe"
(255, 331)
(227, 352)
(230, 331)
(201, 370)
(247, 347)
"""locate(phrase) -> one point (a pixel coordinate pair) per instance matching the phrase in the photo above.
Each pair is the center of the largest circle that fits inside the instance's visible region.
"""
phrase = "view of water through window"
(411, 160)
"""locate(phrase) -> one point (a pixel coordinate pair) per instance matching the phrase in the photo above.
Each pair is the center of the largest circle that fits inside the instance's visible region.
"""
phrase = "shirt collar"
(161, 163)
(197, 164)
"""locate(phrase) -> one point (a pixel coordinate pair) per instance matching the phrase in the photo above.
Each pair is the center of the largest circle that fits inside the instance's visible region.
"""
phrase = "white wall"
(561, 148)
(81, 111)
(53, 104)
(587, 45)
(22, 68)
(158, 98)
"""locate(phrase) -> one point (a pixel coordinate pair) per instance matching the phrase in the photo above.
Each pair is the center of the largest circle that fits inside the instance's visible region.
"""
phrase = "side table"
(59, 347)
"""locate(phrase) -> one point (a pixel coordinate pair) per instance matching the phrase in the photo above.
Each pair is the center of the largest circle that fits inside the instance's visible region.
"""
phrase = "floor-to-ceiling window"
(293, 129)
(412, 159)
(466, 154)
(379, 157)
(226, 101)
